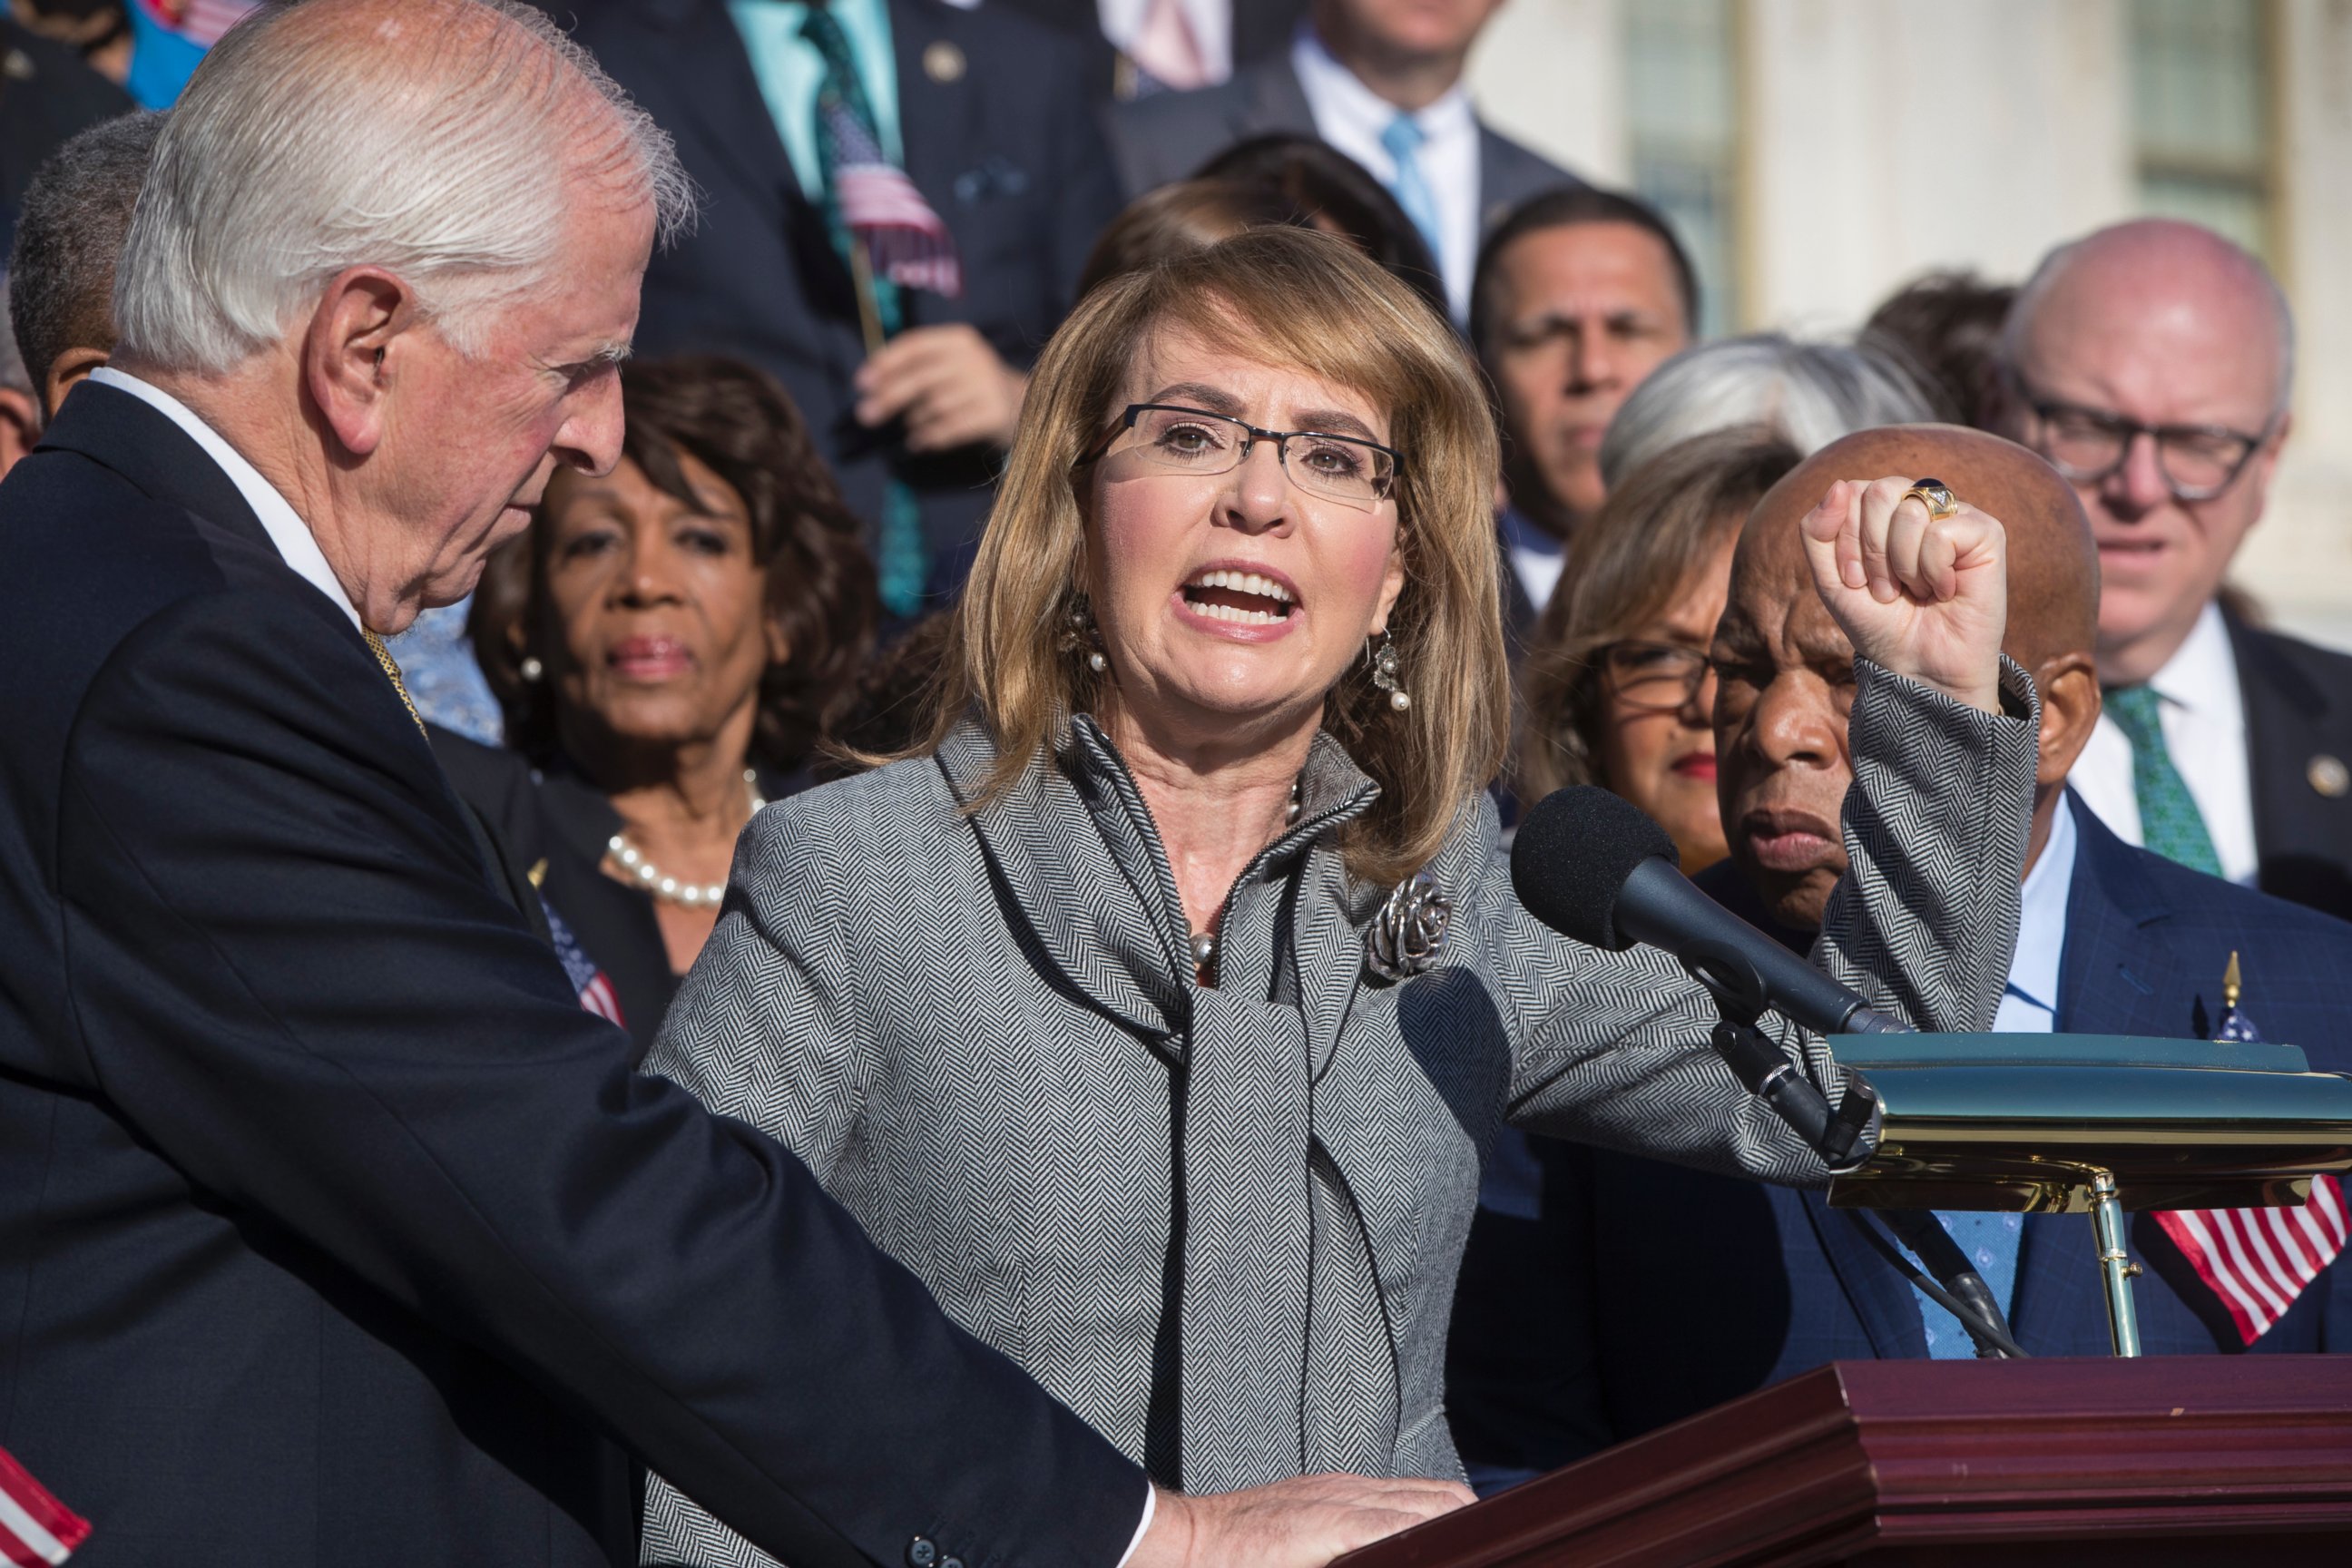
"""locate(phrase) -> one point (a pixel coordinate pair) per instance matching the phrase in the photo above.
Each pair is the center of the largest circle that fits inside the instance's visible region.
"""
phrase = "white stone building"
(1819, 154)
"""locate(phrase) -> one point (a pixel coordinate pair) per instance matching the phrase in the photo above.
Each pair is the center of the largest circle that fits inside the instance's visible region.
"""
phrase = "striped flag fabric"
(201, 22)
(595, 986)
(2259, 1260)
(36, 1530)
(904, 239)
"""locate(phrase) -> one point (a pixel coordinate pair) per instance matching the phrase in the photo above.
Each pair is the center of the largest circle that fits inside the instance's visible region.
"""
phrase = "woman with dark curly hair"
(665, 643)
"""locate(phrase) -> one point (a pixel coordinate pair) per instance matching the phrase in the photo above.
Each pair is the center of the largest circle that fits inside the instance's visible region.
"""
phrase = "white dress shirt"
(1351, 117)
(1211, 21)
(286, 530)
(2029, 1002)
(2203, 710)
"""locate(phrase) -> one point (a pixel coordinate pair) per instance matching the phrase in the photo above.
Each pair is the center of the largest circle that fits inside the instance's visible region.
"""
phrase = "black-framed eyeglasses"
(1166, 438)
(2088, 445)
(1654, 677)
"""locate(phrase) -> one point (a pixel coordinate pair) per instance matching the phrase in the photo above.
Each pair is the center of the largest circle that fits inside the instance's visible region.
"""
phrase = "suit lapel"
(1881, 1297)
(2112, 978)
(938, 111)
(2285, 711)
(1274, 102)
(724, 100)
(1091, 920)
(110, 426)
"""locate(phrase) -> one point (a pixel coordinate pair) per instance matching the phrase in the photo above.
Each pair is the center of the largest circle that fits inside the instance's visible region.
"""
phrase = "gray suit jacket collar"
(1079, 864)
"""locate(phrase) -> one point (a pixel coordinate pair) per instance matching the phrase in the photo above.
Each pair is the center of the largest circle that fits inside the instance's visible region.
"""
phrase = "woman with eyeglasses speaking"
(1155, 1010)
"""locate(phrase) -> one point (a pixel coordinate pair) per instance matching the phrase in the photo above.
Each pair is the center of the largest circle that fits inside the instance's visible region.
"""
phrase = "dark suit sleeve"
(294, 978)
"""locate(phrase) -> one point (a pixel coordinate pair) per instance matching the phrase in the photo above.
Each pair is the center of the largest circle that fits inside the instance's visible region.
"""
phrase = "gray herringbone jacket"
(1222, 1225)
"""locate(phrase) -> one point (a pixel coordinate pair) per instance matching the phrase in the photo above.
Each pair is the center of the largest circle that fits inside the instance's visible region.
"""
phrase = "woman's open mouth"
(1239, 598)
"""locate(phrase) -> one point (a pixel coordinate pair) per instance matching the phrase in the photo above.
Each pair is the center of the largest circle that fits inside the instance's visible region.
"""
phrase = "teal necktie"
(846, 134)
(1403, 138)
(2170, 821)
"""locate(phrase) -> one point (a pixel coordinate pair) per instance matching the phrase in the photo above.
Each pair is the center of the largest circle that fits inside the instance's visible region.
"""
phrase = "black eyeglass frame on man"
(2104, 424)
(1382, 486)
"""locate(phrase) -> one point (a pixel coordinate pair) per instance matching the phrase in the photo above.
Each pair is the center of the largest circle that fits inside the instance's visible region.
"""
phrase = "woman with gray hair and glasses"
(1155, 1009)
(1808, 395)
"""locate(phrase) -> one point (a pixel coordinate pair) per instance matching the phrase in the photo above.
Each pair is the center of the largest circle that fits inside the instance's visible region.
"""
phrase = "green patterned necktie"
(2170, 821)
(846, 132)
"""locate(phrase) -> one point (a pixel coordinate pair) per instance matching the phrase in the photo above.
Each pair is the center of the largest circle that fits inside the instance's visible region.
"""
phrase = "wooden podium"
(2185, 1459)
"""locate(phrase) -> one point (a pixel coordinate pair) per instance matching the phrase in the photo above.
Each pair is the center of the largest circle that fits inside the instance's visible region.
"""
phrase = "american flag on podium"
(905, 240)
(36, 1530)
(2259, 1260)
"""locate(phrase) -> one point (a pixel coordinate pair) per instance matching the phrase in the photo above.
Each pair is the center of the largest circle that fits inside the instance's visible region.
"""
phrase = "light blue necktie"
(1403, 139)
(1990, 1243)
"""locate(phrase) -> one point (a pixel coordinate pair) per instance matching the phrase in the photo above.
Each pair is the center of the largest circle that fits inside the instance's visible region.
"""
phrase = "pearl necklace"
(669, 889)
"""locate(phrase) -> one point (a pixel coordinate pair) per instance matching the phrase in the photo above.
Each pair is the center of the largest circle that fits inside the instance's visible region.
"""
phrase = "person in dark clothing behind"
(48, 91)
(1326, 189)
(990, 117)
(665, 643)
(61, 264)
(1948, 325)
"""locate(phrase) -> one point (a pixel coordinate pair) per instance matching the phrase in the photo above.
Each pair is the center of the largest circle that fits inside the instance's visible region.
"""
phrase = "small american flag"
(2259, 1260)
(904, 238)
(36, 1530)
(595, 986)
(201, 22)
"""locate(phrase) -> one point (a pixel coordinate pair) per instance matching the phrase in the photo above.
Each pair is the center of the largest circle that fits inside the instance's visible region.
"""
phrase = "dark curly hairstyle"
(820, 587)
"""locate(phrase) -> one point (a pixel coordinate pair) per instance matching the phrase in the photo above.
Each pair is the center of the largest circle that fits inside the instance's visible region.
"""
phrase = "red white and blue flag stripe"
(2259, 1260)
(201, 22)
(595, 986)
(36, 1530)
(904, 238)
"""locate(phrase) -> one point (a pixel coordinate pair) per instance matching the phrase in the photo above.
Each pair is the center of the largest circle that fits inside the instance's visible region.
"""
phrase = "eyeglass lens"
(2087, 445)
(1655, 677)
(1193, 441)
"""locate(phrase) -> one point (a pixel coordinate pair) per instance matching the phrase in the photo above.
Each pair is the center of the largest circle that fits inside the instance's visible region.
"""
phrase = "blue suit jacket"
(1643, 1292)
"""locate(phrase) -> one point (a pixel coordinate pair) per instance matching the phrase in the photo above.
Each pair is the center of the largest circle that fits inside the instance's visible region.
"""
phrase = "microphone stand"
(1740, 998)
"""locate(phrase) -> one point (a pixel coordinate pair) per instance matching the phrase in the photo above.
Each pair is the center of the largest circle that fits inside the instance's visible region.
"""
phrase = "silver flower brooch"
(1409, 933)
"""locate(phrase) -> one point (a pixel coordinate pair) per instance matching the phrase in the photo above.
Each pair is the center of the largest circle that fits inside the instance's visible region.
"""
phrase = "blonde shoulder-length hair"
(1295, 298)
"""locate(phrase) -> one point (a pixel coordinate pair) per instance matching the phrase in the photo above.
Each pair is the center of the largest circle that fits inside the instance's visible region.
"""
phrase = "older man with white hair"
(331, 1230)
(2153, 363)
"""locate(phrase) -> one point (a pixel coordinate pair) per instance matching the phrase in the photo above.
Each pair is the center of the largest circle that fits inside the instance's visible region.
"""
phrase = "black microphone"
(1594, 866)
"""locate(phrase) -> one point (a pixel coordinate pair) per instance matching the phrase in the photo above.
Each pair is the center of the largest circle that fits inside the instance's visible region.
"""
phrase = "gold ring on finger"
(1935, 496)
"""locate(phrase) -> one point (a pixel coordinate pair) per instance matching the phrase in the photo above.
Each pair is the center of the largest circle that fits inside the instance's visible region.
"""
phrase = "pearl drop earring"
(1387, 667)
(532, 670)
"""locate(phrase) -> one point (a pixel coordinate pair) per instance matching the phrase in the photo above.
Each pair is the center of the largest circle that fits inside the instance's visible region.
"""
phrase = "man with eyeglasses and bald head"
(2153, 363)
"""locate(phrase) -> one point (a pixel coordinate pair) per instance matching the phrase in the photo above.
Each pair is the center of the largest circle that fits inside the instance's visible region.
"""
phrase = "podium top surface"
(2106, 1456)
(1867, 1052)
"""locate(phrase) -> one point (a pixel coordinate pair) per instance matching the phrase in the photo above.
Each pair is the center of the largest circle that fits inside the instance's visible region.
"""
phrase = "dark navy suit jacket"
(1645, 1292)
(332, 1230)
(997, 119)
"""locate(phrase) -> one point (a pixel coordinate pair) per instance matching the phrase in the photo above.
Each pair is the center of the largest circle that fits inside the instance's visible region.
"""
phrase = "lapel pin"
(943, 62)
(2329, 775)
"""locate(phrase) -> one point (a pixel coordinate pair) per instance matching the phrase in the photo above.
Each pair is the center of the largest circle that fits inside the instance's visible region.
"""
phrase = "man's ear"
(352, 353)
(2069, 685)
(68, 368)
(20, 426)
